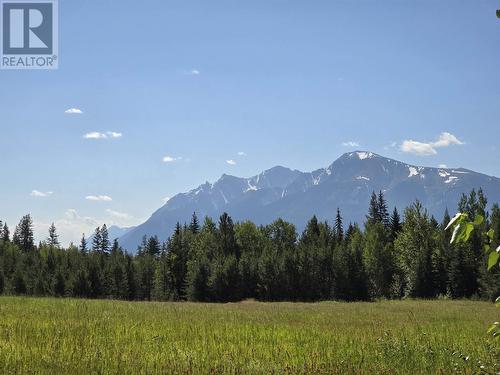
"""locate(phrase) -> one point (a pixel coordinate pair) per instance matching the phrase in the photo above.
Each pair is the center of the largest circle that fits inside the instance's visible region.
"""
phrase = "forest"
(391, 256)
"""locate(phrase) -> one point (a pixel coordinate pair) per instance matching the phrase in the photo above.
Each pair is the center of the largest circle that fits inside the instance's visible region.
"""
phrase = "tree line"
(391, 256)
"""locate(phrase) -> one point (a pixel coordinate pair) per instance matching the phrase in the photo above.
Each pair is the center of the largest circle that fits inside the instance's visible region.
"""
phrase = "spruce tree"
(115, 248)
(227, 238)
(24, 234)
(383, 212)
(53, 239)
(153, 246)
(59, 285)
(373, 211)
(311, 234)
(395, 224)
(97, 240)
(5, 233)
(194, 226)
(339, 229)
(104, 240)
(83, 244)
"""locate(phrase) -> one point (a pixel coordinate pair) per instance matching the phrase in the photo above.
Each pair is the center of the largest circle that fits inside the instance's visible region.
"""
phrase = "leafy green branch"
(463, 228)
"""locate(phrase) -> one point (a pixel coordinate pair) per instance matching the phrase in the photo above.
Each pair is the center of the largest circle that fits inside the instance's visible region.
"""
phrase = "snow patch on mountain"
(362, 155)
(250, 187)
(413, 171)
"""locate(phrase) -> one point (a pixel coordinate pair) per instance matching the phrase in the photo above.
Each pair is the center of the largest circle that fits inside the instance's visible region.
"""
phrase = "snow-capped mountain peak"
(295, 196)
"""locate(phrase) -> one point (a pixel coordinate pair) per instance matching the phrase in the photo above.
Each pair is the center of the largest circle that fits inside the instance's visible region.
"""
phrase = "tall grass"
(61, 336)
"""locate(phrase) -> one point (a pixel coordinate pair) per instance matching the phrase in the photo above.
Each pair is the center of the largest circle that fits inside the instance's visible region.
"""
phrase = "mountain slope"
(296, 196)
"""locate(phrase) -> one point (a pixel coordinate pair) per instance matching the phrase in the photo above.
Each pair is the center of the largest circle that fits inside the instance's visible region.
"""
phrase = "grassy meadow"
(66, 336)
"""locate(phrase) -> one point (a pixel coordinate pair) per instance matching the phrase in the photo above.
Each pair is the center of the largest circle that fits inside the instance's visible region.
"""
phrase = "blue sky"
(200, 82)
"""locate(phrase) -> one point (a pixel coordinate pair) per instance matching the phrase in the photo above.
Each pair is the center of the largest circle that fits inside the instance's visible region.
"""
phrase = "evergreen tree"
(395, 224)
(53, 239)
(104, 240)
(177, 256)
(23, 235)
(83, 244)
(383, 212)
(97, 240)
(311, 234)
(378, 260)
(81, 286)
(373, 211)
(19, 283)
(59, 285)
(227, 237)
(115, 248)
(153, 246)
(197, 280)
(339, 229)
(130, 276)
(5, 233)
(194, 226)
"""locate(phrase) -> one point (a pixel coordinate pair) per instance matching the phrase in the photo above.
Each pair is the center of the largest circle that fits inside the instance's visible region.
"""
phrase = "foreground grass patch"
(83, 337)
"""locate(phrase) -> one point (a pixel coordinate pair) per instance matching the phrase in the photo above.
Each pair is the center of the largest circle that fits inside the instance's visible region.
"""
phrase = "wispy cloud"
(99, 198)
(231, 162)
(350, 144)
(118, 215)
(241, 153)
(114, 134)
(193, 72)
(73, 111)
(94, 135)
(171, 159)
(429, 148)
(40, 194)
(98, 135)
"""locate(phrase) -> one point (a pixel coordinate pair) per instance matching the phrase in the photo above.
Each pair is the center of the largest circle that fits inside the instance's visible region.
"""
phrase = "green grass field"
(60, 336)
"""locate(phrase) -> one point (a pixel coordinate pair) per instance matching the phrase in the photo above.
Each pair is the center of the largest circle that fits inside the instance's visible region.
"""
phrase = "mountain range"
(296, 196)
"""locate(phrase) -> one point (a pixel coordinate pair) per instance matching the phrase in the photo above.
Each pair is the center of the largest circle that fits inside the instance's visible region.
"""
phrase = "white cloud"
(350, 144)
(418, 148)
(114, 134)
(118, 215)
(429, 148)
(94, 135)
(241, 153)
(447, 139)
(98, 135)
(40, 194)
(231, 162)
(170, 159)
(73, 111)
(193, 72)
(99, 198)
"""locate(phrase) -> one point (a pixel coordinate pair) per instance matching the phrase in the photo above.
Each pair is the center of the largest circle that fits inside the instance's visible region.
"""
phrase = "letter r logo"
(27, 28)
